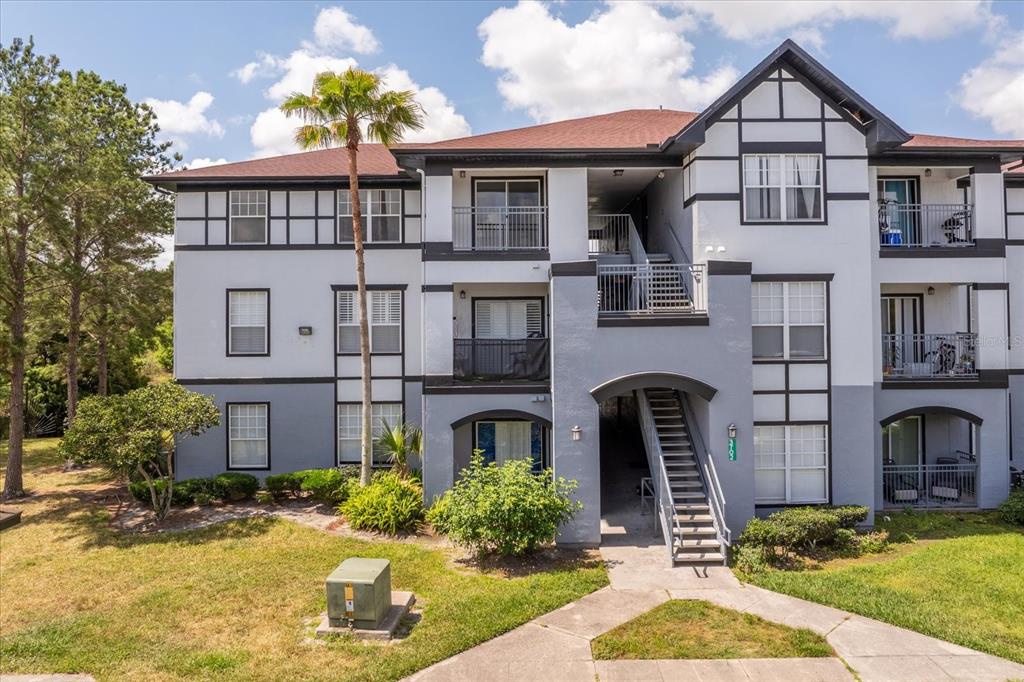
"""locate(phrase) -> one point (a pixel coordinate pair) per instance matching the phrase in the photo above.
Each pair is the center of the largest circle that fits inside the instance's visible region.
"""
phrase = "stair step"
(691, 508)
(688, 496)
(687, 484)
(692, 520)
(698, 545)
(702, 558)
(673, 475)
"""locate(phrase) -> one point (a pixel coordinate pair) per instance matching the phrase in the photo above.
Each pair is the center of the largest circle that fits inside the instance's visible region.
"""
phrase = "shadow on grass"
(545, 560)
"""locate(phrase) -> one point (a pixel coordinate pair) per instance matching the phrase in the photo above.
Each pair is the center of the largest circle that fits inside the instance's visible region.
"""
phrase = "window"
(508, 319)
(782, 187)
(385, 322)
(788, 320)
(381, 211)
(501, 441)
(790, 463)
(248, 316)
(248, 217)
(350, 428)
(248, 428)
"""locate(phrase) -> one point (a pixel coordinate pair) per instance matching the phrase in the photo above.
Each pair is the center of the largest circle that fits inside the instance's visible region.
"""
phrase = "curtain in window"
(804, 200)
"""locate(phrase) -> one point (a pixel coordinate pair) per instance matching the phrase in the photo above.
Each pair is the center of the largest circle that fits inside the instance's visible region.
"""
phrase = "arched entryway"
(629, 515)
(929, 458)
(501, 435)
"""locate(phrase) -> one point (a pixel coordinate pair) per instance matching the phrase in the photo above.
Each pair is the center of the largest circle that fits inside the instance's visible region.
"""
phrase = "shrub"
(873, 543)
(264, 497)
(329, 486)
(390, 504)
(749, 559)
(438, 514)
(280, 485)
(506, 509)
(179, 497)
(233, 486)
(804, 527)
(849, 516)
(1012, 510)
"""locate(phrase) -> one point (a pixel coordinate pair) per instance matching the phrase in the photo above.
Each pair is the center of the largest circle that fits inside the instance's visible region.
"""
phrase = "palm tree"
(398, 442)
(342, 109)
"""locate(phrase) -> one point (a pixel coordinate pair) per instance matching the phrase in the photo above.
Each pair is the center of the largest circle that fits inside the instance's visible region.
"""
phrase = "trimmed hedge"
(280, 485)
(233, 486)
(229, 487)
(329, 486)
(803, 528)
(1012, 510)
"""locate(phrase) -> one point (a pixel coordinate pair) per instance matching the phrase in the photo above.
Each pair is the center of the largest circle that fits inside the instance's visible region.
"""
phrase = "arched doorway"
(929, 458)
(501, 435)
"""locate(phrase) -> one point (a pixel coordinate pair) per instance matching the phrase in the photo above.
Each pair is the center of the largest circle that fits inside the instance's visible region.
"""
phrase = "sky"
(216, 72)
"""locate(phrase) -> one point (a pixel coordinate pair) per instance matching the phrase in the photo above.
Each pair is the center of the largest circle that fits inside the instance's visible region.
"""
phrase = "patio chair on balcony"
(901, 488)
(954, 228)
(945, 482)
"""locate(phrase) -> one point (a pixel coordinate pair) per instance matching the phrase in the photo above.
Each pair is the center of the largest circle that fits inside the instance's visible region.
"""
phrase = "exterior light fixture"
(732, 430)
(305, 331)
(927, 172)
(577, 432)
(661, 175)
(617, 172)
(462, 295)
(931, 291)
(462, 174)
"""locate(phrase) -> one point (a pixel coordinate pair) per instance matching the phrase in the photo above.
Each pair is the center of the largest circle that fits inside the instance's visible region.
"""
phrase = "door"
(902, 327)
(502, 441)
(508, 214)
(902, 456)
(899, 197)
(505, 331)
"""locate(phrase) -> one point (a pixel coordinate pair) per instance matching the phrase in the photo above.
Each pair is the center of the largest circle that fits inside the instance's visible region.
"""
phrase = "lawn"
(698, 629)
(232, 601)
(955, 576)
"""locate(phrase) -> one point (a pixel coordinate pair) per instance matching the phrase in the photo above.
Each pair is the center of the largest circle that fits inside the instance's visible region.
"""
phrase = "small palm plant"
(397, 443)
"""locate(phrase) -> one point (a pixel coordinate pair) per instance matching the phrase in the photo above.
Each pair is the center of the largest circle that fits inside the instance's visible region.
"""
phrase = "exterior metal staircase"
(687, 513)
(663, 284)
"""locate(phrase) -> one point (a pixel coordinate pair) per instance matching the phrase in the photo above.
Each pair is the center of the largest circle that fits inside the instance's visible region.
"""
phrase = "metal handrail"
(637, 252)
(925, 225)
(940, 484)
(659, 475)
(708, 473)
(679, 243)
(499, 228)
(930, 355)
(652, 288)
(608, 233)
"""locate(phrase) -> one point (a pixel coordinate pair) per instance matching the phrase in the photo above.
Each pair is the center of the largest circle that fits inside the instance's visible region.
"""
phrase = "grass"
(232, 601)
(955, 576)
(698, 629)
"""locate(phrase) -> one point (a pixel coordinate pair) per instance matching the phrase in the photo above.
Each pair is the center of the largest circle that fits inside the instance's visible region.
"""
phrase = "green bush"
(505, 509)
(196, 490)
(180, 497)
(329, 486)
(280, 485)
(873, 543)
(233, 486)
(749, 559)
(804, 527)
(849, 516)
(1012, 510)
(390, 504)
(438, 515)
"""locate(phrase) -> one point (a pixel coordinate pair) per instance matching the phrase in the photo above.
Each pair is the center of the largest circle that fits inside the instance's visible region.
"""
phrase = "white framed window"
(350, 431)
(782, 187)
(791, 463)
(381, 211)
(248, 217)
(248, 435)
(788, 320)
(385, 317)
(508, 319)
(248, 322)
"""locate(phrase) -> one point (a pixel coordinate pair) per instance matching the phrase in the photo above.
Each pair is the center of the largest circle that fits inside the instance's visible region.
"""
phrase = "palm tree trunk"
(366, 460)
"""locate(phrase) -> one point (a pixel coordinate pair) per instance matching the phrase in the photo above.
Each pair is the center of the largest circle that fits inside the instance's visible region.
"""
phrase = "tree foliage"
(136, 432)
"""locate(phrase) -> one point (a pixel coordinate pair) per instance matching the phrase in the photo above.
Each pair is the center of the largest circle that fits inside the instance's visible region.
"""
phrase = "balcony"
(949, 482)
(651, 289)
(502, 228)
(929, 356)
(916, 226)
(502, 359)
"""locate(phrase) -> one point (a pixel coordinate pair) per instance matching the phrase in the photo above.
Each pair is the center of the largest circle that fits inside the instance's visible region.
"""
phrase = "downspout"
(423, 312)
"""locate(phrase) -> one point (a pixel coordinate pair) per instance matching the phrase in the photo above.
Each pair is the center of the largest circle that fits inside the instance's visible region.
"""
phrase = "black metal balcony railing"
(501, 359)
(503, 228)
(925, 225)
(930, 356)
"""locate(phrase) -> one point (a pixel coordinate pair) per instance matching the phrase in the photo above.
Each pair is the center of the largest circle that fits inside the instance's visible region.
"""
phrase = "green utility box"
(359, 590)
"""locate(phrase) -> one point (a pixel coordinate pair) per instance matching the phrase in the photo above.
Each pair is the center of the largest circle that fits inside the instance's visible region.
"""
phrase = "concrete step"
(702, 544)
(692, 520)
(702, 559)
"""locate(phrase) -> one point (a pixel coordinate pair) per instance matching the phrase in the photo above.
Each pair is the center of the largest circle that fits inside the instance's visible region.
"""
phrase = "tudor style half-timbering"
(783, 299)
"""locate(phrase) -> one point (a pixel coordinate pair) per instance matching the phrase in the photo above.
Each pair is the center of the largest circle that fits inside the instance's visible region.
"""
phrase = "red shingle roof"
(630, 129)
(938, 141)
(374, 159)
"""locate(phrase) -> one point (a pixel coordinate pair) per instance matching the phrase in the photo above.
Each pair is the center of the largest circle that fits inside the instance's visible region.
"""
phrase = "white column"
(437, 226)
(567, 214)
(437, 332)
(987, 196)
(992, 331)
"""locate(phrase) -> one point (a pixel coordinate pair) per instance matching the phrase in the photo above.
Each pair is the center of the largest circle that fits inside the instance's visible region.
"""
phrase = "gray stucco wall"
(854, 431)
(301, 429)
(1017, 419)
(585, 356)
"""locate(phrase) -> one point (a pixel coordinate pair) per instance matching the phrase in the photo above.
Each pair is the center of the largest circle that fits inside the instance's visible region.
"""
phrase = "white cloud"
(178, 119)
(337, 28)
(994, 90)
(204, 162)
(273, 134)
(626, 55)
(923, 19)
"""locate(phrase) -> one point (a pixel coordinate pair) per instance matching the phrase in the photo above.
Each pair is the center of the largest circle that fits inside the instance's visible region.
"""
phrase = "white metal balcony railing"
(503, 228)
(949, 482)
(608, 233)
(652, 288)
(925, 225)
(930, 355)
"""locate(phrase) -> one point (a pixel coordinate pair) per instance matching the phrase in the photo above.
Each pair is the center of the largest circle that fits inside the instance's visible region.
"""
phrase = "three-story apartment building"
(796, 301)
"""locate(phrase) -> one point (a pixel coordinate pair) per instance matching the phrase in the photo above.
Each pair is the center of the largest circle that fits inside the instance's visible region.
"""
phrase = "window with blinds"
(508, 319)
(248, 322)
(350, 419)
(385, 318)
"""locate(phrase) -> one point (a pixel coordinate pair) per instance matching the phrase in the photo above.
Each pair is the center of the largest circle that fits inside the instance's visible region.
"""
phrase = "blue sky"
(954, 68)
